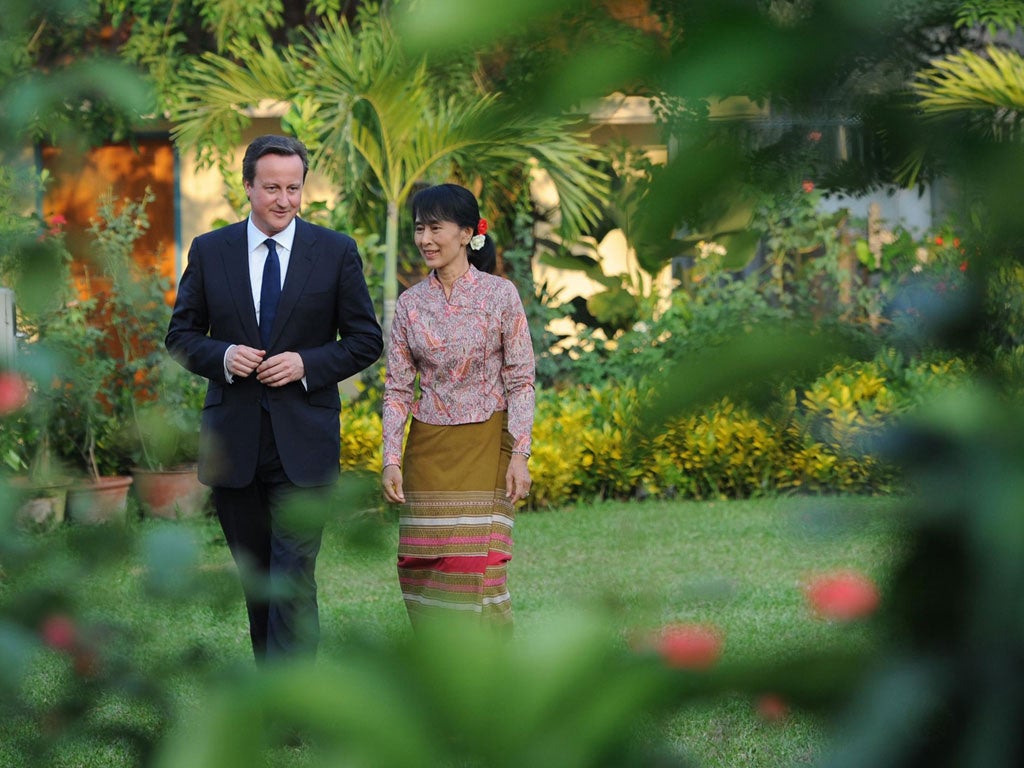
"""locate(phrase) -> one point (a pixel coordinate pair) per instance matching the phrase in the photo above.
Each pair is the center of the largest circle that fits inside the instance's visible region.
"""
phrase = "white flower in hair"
(476, 242)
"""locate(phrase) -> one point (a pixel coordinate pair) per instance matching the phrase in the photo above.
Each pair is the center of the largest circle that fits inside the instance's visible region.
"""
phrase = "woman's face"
(442, 243)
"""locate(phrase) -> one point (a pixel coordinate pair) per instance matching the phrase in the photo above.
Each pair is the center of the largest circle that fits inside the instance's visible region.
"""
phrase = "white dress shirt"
(258, 250)
(258, 256)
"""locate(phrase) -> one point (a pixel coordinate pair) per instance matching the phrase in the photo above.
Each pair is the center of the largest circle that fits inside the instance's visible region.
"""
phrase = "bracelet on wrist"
(524, 454)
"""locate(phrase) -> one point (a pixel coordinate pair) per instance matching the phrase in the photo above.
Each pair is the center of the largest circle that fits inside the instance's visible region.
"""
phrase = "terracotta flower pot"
(171, 493)
(101, 501)
(43, 504)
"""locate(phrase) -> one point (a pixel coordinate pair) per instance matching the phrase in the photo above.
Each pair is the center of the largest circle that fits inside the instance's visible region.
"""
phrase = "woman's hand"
(517, 478)
(391, 481)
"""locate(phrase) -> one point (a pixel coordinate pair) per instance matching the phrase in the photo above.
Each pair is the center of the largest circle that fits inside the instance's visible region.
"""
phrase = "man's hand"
(281, 369)
(241, 360)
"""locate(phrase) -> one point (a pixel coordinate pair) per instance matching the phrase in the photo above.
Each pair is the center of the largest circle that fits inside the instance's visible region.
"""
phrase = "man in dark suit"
(274, 312)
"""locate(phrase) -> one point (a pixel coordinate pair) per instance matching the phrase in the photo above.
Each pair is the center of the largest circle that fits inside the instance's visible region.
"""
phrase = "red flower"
(842, 595)
(57, 223)
(86, 663)
(481, 227)
(59, 632)
(963, 265)
(689, 646)
(956, 242)
(939, 240)
(814, 136)
(13, 393)
(772, 707)
(808, 186)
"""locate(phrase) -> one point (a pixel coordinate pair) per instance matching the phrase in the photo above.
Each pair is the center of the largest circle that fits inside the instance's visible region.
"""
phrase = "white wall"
(904, 207)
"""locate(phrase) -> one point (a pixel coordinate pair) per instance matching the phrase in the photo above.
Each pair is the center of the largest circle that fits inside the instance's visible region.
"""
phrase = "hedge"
(822, 439)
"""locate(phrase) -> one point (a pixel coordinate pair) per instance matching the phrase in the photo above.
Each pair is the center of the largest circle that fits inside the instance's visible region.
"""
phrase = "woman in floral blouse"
(463, 331)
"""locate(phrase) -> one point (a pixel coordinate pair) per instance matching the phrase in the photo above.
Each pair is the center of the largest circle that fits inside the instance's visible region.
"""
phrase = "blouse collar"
(470, 276)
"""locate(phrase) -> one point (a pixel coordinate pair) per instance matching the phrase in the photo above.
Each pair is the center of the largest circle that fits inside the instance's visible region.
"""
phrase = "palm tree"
(983, 86)
(967, 81)
(375, 117)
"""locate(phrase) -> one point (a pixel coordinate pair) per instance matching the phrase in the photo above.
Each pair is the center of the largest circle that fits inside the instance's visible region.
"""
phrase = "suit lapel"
(300, 267)
(236, 274)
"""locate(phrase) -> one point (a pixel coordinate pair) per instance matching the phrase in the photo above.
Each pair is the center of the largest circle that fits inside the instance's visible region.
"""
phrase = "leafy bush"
(723, 452)
(848, 406)
(361, 435)
(1004, 305)
(823, 437)
(609, 459)
(560, 419)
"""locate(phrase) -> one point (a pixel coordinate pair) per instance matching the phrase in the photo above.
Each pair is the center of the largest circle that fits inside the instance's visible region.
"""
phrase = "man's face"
(276, 192)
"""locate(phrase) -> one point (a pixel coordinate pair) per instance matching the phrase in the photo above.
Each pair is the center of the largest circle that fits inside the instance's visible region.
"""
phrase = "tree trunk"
(390, 271)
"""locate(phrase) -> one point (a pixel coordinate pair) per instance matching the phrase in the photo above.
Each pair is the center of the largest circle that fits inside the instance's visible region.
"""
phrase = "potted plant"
(36, 264)
(40, 496)
(39, 479)
(106, 338)
(158, 402)
(86, 415)
(164, 443)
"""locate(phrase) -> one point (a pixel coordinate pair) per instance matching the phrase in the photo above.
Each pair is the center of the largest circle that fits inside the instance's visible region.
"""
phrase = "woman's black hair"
(450, 202)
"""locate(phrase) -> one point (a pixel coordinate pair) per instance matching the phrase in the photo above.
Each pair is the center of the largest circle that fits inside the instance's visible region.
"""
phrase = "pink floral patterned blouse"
(473, 354)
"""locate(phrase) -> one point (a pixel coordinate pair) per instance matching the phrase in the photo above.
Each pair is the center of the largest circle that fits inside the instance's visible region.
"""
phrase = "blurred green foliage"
(942, 689)
(940, 692)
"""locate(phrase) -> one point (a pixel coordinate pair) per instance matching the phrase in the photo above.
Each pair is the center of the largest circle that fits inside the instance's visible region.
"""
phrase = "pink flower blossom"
(59, 632)
(814, 136)
(13, 393)
(807, 186)
(772, 708)
(842, 595)
(57, 222)
(689, 646)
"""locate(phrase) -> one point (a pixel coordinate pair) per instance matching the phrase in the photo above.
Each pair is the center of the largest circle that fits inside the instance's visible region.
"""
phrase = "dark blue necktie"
(270, 293)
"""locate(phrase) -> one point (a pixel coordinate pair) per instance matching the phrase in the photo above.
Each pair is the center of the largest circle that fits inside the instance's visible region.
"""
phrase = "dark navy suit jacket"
(325, 315)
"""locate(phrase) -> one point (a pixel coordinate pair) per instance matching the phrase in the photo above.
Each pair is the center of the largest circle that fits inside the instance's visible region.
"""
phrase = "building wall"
(122, 171)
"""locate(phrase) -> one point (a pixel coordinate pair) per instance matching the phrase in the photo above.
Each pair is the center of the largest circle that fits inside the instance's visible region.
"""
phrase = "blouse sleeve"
(398, 387)
(517, 372)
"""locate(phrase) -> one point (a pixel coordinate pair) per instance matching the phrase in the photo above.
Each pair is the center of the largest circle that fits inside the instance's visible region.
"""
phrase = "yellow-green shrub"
(816, 440)
(923, 380)
(721, 452)
(817, 468)
(610, 457)
(360, 436)
(556, 466)
(584, 446)
(848, 405)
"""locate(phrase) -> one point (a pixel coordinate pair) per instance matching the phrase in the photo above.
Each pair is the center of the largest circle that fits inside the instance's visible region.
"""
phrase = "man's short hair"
(271, 144)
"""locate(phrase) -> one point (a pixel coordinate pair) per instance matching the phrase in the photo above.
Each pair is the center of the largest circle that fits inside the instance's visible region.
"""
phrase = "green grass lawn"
(737, 565)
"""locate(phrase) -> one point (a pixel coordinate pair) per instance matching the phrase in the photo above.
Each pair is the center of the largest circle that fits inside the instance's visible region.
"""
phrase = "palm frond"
(215, 95)
(369, 115)
(970, 82)
(379, 112)
(567, 155)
